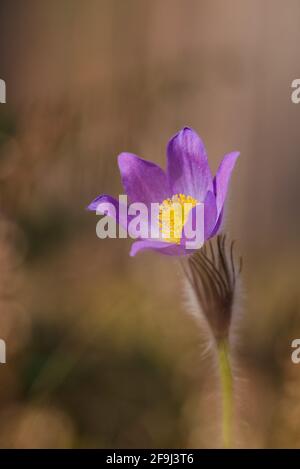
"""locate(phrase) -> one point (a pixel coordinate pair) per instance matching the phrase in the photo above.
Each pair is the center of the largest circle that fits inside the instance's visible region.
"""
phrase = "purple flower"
(187, 179)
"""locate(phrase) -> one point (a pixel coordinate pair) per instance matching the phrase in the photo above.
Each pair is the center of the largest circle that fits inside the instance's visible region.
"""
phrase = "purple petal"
(188, 170)
(222, 178)
(210, 215)
(143, 181)
(218, 225)
(163, 248)
(194, 217)
(106, 201)
(172, 249)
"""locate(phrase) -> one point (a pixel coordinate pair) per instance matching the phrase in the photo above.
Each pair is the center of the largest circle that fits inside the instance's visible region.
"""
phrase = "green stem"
(227, 395)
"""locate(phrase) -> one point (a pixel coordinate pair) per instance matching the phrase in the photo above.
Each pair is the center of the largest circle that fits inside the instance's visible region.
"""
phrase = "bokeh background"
(100, 350)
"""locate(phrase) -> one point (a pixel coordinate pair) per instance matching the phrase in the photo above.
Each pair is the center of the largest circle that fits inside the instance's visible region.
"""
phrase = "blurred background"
(100, 350)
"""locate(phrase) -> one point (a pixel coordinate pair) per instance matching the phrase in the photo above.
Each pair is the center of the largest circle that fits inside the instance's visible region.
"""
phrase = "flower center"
(173, 214)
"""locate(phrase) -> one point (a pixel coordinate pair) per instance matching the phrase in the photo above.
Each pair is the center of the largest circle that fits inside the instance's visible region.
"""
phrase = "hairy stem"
(227, 394)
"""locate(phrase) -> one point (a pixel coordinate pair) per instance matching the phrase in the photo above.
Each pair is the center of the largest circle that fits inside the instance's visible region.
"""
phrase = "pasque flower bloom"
(188, 179)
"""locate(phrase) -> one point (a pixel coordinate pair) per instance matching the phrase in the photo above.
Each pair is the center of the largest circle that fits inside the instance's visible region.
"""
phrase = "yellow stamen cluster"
(173, 214)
